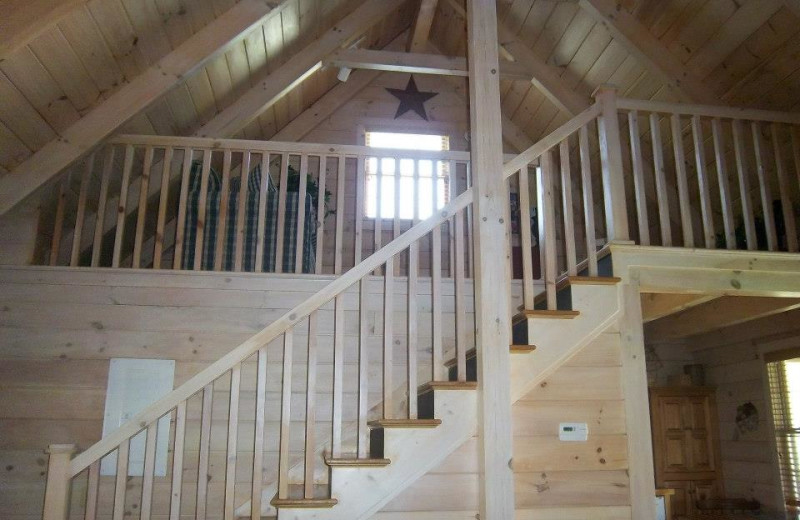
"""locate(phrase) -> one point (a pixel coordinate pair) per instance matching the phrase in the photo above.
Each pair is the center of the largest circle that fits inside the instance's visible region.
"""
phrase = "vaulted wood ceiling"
(738, 52)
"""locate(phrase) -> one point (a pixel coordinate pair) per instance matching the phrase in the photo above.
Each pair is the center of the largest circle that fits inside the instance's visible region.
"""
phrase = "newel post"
(56, 494)
(611, 159)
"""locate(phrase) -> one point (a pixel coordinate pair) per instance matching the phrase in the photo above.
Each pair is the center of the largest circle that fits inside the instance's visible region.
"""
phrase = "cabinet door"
(675, 420)
(699, 438)
(682, 499)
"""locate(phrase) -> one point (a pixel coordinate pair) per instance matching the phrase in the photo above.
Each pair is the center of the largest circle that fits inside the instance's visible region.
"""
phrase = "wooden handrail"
(713, 111)
(262, 338)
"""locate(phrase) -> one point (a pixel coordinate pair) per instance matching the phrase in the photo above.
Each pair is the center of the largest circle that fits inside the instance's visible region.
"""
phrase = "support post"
(493, 322)
(611, 158)
(637, 406)
(56, 494)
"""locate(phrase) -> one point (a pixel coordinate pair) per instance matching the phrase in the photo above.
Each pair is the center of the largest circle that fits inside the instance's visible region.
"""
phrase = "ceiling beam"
(129, 100)
(415, 63)
(296, 69)
(24, 20)
(422, 26)
(651, 53)
(723, 312)
(659, 305)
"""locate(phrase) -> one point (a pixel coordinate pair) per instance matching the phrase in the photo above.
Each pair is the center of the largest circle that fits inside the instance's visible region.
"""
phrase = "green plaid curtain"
(251, 224)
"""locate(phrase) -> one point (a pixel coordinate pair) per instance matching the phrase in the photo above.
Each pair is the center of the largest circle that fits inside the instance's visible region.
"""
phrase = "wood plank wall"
(552, 479)
(59, 328)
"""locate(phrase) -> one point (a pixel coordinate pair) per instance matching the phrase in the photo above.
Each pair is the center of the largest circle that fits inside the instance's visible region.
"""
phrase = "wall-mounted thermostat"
(573, 432)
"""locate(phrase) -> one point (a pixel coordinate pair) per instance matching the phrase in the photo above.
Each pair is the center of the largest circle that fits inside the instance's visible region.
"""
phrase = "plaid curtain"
(251, 224)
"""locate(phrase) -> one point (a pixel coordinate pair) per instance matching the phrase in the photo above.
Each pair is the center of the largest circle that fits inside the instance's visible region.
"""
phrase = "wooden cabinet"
(686, 445)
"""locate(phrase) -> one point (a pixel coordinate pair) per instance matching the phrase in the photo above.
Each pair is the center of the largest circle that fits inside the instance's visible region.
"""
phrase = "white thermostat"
(573, 432)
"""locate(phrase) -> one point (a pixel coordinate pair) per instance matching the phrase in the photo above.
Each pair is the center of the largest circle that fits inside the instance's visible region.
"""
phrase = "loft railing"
(234, 205)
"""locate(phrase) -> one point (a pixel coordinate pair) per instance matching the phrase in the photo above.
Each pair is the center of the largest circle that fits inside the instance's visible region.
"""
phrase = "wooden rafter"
(300, 66)
(422, 25)
(131, 99)
(660, 305)
(720, 313)
(651, 53)
(415, 63)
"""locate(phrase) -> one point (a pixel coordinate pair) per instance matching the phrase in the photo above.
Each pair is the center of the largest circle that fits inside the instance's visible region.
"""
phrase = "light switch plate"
(573, 432)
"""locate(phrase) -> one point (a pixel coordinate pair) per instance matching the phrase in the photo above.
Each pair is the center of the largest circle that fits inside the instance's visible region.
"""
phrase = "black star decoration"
(411, 99)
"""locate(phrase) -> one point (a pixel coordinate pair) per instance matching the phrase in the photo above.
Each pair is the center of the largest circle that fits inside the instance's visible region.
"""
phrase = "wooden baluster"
(526, 241)
(241, 223)
(611, 164)
(338, 375)
(396, 212)
(141, 209)
(281, 213)
(180, 230)
(451, 235)
(363, 369)
(205, 446)
(411, 322)
(468, 224)
(547, 227)
(202, 204)
(163, 200)
(149, 468)
(222, 217)
(122, 206)
(566, 199)
(638, 178)
(86, 179)
(286, 414)
(783, 187)
(360, 214)
(58, 225)
(320, 223)
(706, 210)
(388, 337)
(233, 434)
(743, 174)
(724, 184)
(340, 178)
(683, 184)
(92, 489)
(177, 462)
(301, 214)
(764, 187)
(661, 182)
(460, 296)
(311, 424)
(121, 480)
(588, 202)
(262, 212)
(108, 165)
(436, 291)
(258, 439)
(378, 231)
(508, 187)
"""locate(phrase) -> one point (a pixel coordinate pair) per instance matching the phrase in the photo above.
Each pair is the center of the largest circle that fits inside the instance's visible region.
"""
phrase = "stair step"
(405, 423)
(305, 503)
(356, 462)
(592, 280)
(447, 385)
(471, 353)
(552, 314)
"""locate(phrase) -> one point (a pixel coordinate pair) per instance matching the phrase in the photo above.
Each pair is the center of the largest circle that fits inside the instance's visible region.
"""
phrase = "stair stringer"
(557, 340)
(363, 491)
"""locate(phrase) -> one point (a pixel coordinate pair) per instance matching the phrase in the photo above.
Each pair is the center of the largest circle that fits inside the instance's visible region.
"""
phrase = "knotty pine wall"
(59, 327)
(553, 479)
(733, 360)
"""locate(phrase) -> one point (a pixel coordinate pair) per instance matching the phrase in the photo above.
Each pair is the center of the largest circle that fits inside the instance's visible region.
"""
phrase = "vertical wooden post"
(611, 158)
(56, 495)
(493, 321)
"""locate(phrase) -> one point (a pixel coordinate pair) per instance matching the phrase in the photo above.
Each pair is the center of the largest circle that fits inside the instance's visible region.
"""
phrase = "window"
(416, 188)
(783, 371)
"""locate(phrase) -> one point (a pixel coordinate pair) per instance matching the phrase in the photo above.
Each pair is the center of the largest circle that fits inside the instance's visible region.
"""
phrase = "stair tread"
(515, 349)
(303, 502)
(554, 314)
(447, 385)
(356, 462)
(405, 423)
(593, 280)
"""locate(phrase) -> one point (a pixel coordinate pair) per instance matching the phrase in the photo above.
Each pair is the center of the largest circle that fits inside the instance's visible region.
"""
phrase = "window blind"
(783, 371)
